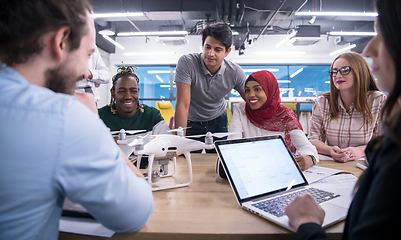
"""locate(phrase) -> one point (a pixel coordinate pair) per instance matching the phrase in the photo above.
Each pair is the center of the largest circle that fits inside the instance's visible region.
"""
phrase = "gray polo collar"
(219, 72)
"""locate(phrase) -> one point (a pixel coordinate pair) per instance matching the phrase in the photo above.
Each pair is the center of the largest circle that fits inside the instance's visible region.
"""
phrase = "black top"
(140, 121)
(375, 212)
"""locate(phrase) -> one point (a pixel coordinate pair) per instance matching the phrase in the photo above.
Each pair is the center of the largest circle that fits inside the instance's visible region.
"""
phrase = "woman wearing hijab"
(263, 115)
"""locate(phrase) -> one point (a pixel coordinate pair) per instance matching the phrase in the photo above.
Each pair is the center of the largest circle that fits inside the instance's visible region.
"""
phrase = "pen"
(291, 184)
(361, 166)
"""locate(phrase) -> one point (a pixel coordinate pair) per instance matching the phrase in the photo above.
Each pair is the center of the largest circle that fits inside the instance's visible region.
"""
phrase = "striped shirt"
(349, 129)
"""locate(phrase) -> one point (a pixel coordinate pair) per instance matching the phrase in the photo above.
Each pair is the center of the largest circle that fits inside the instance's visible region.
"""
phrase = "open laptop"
(262, 169)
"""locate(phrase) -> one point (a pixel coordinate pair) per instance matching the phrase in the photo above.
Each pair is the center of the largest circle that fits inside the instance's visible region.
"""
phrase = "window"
(302, 81)
(157, 82)
(309, 81)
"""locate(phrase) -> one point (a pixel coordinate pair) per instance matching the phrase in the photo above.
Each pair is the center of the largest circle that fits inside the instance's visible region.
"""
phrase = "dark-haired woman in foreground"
(375, 211)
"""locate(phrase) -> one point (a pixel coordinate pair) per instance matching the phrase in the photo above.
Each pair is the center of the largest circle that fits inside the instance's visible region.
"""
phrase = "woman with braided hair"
(125, 111)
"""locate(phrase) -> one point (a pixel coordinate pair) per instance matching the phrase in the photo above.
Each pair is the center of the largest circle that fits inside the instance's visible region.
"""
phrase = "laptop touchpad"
(334, 213)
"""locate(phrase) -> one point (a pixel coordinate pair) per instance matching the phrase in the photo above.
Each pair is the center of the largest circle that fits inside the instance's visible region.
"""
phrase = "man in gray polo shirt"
(203, 79)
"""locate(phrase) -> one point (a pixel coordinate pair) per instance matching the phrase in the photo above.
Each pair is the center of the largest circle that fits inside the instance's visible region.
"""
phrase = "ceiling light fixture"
(116, 15)
(312, 20)
(158, 33)
(113, 42)
(255, 70)
(311, 90)
(159, 78)
(351, 14)
(107, 32)
(341, 33)
(280, 53)
(288, 37)
(296, 73)
(342, 49)
(159, 71)
(148, 53)
(172, 41)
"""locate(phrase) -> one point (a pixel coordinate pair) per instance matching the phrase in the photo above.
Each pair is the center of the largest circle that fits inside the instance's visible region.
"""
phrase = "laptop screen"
(256, 166)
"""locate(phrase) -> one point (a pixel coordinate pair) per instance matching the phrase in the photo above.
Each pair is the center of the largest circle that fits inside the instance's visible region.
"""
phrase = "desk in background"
(207, 209)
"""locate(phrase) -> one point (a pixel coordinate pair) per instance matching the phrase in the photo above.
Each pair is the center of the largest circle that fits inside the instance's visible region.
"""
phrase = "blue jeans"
(218, 124)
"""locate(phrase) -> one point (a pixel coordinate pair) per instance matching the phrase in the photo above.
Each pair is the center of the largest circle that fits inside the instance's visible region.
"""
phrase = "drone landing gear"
(163, 171)
(155, 173)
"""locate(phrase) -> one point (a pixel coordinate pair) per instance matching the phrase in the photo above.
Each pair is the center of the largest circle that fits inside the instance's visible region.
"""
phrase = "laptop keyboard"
(276, 206)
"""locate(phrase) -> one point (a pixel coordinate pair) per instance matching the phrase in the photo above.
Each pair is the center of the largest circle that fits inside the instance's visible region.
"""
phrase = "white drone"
(161, 148)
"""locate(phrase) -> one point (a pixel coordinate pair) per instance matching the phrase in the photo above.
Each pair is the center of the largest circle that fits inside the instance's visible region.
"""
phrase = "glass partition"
(154, 82)
(309, 81)
(157, 82)
(279, 71)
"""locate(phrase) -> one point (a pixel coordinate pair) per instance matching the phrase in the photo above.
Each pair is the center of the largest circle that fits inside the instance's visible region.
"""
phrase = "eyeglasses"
(344, 71)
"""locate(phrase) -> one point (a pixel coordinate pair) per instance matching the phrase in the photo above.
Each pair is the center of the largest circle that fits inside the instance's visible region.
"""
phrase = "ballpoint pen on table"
(361, 166)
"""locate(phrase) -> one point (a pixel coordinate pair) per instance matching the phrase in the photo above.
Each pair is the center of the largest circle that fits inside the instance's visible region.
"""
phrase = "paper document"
(84, 226)
(316, 173)
(324, 157)
(72, 206)
(341, 183)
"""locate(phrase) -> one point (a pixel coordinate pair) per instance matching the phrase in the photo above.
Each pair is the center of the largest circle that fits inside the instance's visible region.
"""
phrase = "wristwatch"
(313, 159)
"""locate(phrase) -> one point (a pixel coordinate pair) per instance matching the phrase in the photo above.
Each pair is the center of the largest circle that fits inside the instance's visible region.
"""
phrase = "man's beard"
(60, 80)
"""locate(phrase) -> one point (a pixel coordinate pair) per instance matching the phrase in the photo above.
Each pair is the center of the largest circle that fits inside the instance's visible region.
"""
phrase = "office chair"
(166, 110)
(293, 106)
(229, 115)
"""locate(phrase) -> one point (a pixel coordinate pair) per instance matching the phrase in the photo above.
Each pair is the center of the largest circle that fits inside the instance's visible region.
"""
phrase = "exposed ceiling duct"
(271, 18)
(230, 11)
(263, 17)
(306, 35)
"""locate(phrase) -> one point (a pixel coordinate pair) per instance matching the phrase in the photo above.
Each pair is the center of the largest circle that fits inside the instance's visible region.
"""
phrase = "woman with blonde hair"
(345, 119)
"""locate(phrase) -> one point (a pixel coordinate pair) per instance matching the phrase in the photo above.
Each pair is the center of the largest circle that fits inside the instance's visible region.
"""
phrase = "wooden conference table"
(207, 209)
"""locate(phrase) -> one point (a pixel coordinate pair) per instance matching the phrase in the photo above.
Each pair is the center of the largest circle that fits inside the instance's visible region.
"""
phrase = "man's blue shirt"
(53, 147)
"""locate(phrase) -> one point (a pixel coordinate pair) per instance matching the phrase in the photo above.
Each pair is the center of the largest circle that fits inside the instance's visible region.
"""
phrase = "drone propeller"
(141, 141)
(136, 142)
(127, 131)
(217, 135)
(178, 129)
